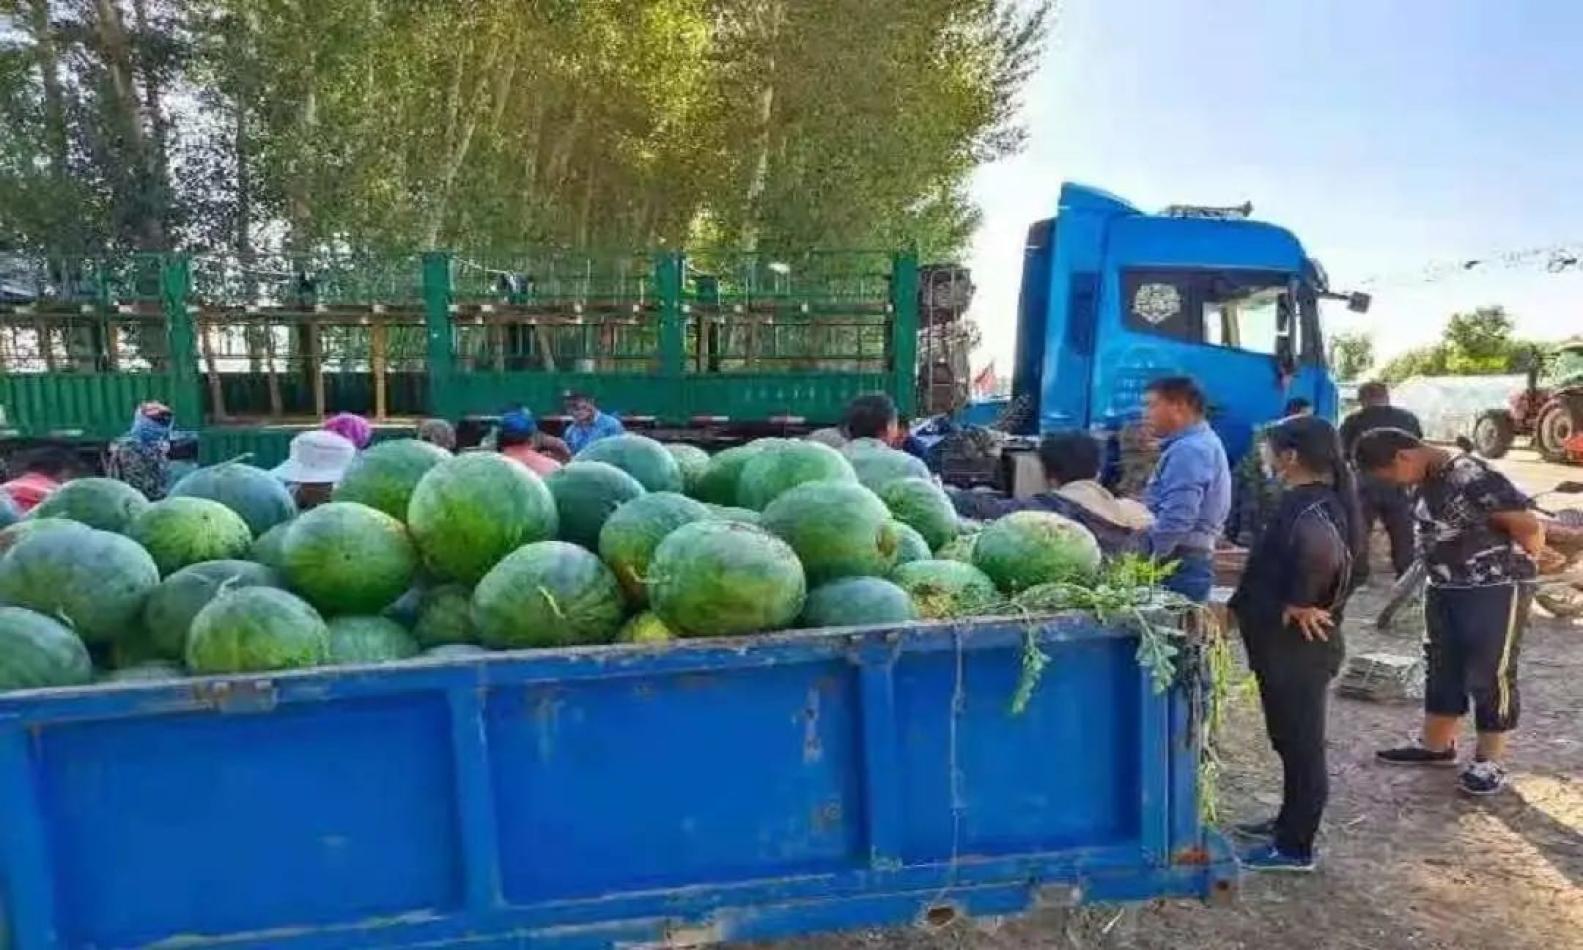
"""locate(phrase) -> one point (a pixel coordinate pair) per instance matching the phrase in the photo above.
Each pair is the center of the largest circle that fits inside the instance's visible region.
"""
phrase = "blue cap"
(518, 422)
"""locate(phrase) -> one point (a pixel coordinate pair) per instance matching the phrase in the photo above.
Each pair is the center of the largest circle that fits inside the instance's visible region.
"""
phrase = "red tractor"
(1549, 410)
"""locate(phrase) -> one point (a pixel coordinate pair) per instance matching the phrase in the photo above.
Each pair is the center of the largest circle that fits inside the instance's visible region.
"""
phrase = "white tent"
(1447, 406)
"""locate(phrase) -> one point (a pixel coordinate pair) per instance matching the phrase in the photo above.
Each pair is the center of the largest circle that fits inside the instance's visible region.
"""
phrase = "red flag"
(984, 382)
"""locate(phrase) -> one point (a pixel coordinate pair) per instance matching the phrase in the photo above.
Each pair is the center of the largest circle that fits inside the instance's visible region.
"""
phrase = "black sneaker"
(1255, 830)
(1483, 777)
(1270, 858)
(1418, 755)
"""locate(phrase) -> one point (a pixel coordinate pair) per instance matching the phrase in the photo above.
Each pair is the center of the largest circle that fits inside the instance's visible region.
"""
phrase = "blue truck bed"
(619, 796)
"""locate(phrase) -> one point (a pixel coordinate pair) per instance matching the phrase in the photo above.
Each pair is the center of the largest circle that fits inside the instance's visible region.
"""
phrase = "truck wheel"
(1552, 430)
(1493, 433)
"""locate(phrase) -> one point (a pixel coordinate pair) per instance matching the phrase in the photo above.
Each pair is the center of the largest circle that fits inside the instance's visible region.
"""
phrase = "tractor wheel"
(1553, 427)
(1493, 433)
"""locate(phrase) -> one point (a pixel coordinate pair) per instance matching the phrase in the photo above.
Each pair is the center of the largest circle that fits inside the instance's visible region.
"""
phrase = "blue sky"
(1394, 137)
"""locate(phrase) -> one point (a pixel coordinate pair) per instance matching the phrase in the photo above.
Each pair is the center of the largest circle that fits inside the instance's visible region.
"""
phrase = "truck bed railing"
(276, 337)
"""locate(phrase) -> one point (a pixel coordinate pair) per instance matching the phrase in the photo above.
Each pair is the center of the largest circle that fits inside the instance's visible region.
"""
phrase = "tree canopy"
(250, 124)
(1479, 342)
(1351, 354)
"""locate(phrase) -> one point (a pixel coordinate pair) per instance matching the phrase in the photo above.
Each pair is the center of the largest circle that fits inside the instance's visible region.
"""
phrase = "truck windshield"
(1232, 309)
(1565, 368)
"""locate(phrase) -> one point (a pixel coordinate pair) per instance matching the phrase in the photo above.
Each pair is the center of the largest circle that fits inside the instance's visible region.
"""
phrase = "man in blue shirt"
(589, 425)
(1190, 492)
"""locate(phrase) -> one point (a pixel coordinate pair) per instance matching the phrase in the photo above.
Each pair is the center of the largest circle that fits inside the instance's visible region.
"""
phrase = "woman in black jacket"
(1288, 608)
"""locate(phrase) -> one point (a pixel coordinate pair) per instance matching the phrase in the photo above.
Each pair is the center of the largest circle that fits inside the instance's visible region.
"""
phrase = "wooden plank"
(45, 344)
(315, 357)
(546, 346)
(212, 370)
(377, 346)
(271, 372)
(112, 346)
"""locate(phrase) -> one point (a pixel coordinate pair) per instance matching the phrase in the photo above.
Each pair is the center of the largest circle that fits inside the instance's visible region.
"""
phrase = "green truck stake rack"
(249, 353)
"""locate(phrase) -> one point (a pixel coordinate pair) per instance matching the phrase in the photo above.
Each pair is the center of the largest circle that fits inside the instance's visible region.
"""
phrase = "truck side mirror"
(1359, 303)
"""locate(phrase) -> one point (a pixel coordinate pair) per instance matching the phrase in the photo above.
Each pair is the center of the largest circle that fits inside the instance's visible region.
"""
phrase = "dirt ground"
(1407, 861)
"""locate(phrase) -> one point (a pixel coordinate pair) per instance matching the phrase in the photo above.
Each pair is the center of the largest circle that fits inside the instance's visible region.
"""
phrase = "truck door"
(1237, 332)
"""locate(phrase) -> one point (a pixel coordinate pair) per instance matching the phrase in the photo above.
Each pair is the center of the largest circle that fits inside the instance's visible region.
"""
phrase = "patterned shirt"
(144, 466)
(1456, 541)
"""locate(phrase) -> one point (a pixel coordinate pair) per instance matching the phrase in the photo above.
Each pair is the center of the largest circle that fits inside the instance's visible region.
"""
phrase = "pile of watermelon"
(421, 553)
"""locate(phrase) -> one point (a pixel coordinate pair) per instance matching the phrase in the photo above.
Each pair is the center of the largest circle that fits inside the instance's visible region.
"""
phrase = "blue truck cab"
(1114, 297)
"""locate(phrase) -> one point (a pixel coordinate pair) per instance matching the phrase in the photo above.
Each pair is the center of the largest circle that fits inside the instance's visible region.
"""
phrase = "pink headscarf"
(351, 427)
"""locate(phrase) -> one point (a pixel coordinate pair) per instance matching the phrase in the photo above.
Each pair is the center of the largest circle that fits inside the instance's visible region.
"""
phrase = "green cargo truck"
(713, 347)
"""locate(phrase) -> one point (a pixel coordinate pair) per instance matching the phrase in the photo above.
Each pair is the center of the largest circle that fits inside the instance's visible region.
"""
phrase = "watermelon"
(270, 548)
(168, 612)
(255, 629)
(102, 503)
(945, 590)
(720, 578)
(855, 602)
(639, 456)
(369, 640)
(1026, 548)
(959, 548)
(548, 594)
(588, 493)
(445, 615)
(646, 627)
(629, 537)
(455, 651)
(732, 513)
(183, 531)
(385, 475)
(692, 461)
(404, 609)
(787, 464)
(12, 535)
(470, 511)
(910, 545)
(921, 503)
(718, 484)
(38, 651)
(10, 514)
(133, 646)
(96, 580)
(865, 444)
(347, 558)
(149, 671)
(877, 464)
(257, 496)
(837, 528)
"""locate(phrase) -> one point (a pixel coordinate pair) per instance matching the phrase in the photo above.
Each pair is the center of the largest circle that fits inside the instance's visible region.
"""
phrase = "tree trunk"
(299, 206)
(459, 140)
(146, 195)
(773, 17)
(54, 99)
(153, 99)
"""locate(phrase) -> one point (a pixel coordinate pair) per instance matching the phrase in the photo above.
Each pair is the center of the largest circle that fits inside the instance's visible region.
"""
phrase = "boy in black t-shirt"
(1479, 542)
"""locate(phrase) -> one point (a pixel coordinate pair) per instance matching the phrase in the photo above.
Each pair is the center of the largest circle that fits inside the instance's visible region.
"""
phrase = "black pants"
(1390, 506)
(1294, 688)
(1472, 638)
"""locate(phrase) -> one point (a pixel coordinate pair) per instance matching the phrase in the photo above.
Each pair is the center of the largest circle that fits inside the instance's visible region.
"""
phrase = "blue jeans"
(1193, 577)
